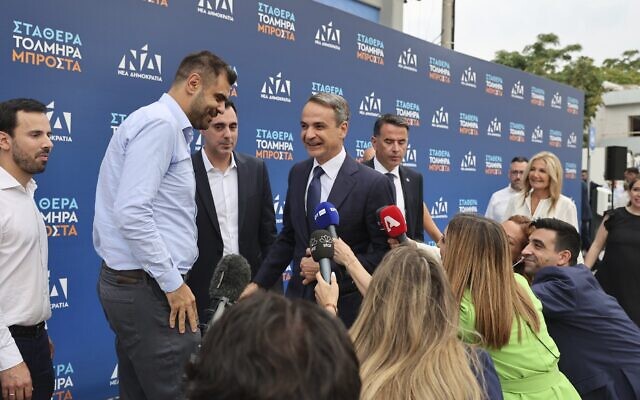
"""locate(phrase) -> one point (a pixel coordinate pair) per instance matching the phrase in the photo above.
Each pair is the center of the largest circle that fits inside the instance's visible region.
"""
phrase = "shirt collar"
(380, 168)
(209, 167)
(332, 167)
(7, 181)
(178, 113)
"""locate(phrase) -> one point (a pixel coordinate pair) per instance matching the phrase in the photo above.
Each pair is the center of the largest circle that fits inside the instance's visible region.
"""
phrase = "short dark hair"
(633, 170)
(230, 104)
(270, 347)
(389, 119)
(519, 159)
(206, 64)
(567, 237)
(9, 111)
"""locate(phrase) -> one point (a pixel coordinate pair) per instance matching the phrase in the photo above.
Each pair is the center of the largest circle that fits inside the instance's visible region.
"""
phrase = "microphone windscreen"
(325, 215)
(321, 245)
(231, 276)
(392, 221)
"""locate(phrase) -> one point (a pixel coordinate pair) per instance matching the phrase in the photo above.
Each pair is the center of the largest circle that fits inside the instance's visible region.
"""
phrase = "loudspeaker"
(615, 163)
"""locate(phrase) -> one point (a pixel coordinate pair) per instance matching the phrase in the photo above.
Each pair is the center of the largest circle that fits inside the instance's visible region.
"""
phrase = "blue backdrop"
(94, 62)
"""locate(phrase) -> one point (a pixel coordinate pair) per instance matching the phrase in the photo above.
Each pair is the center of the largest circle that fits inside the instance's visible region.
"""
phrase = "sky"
(604, 28)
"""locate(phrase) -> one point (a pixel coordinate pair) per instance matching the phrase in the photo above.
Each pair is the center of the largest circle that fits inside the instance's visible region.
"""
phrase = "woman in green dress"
(499, 311)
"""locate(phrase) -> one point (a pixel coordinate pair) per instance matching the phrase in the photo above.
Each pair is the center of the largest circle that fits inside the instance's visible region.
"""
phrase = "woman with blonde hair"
(542, 195)
(499, 311)
(406, 335)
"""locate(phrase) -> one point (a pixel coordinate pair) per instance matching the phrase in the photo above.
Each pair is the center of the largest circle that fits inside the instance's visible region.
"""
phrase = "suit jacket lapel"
(407, 194)
(244, 182)
(298, 196)
(345, 182)
(204, 190)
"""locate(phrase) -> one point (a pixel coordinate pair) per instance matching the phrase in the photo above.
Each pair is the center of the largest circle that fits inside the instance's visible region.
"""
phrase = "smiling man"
(499, 200)
(599, 344)
(145, 230)
(328, 175)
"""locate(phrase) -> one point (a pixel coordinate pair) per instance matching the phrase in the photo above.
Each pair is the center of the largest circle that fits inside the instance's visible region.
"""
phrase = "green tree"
(624, 70)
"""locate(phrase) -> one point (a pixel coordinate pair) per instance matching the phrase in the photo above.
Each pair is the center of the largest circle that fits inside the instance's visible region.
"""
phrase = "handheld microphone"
(393, 222)
(321, 246)
(231, 276)
(326, 217)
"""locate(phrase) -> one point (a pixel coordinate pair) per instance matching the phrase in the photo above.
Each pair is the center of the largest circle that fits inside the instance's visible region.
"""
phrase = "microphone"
(326, 217)
(321, 246)
(393, 223)
(231, 276)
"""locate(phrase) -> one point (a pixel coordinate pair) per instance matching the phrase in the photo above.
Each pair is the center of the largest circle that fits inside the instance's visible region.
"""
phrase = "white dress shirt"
(24, 282)
(331, 169)
(565, 209)
(498, 204)
(397, 183)
(224, 188)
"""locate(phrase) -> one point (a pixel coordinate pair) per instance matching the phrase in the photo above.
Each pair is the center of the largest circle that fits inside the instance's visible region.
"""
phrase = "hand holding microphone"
(321, 247)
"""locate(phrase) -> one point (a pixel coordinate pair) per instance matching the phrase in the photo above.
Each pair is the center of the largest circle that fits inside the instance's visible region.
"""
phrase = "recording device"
(321, 246)
(326, 217)
(231, 276)
(393, 222)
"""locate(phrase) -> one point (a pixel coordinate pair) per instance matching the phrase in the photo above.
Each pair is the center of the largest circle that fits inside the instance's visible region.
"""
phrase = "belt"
(138, 274)
(34, 331)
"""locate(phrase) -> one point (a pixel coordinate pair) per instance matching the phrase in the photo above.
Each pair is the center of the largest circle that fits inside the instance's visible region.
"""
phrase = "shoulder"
(410, 172)
(248, 159)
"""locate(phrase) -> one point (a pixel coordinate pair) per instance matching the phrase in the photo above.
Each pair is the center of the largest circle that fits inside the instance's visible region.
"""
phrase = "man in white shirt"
(26, 368)
(500, 199)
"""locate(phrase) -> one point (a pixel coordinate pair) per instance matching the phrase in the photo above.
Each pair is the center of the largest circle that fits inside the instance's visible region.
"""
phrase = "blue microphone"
(326, 217)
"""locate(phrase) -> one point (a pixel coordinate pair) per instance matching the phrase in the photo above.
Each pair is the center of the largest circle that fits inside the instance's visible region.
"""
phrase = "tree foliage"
(548, 59)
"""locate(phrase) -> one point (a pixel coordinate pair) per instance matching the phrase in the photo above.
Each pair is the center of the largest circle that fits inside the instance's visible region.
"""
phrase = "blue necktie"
(393, 185)
(313, 196)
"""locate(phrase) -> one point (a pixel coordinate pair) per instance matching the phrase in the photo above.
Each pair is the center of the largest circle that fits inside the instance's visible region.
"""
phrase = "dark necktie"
(393, 185)
(313, 195)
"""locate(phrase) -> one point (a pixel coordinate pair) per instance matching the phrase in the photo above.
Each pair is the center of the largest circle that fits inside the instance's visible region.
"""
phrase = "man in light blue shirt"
(145, 231)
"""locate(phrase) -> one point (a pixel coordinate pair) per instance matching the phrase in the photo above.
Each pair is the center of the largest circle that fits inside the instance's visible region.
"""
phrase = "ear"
(374, 140)
(344, 127)
(194, 83)
(564, 258)
(5, 141)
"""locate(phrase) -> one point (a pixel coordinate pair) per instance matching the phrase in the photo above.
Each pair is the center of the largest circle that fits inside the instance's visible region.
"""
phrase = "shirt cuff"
(170, 280)
(9, 354)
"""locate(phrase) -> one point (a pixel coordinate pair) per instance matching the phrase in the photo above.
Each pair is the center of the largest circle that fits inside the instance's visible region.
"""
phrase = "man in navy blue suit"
(599, 344)
(329, 175)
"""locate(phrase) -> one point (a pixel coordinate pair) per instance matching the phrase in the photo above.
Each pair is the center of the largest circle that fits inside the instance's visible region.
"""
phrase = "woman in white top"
(541, 196)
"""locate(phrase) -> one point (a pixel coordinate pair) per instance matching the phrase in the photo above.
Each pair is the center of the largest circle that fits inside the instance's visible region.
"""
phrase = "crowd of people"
(502, 308)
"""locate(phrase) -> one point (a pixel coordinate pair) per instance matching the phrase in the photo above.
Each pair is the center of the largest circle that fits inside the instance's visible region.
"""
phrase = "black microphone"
(321, 247)
(231, 276)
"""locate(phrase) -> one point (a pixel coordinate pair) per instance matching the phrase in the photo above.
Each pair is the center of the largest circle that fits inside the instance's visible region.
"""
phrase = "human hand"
(16, 383)
(327, 294)
(342, 253)
(308, 269)
(249, 290)
(183, 306)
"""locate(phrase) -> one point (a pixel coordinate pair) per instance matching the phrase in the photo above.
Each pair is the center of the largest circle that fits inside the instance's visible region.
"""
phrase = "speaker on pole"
(615, 163)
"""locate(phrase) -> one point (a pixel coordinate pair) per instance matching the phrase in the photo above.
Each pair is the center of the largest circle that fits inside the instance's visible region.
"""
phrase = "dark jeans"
(151, 356)
(36, 354)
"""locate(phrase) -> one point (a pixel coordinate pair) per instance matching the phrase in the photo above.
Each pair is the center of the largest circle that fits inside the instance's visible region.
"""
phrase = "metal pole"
(448, 20)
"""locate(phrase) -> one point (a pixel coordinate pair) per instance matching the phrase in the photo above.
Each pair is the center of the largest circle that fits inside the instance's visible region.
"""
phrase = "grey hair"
(337, 103)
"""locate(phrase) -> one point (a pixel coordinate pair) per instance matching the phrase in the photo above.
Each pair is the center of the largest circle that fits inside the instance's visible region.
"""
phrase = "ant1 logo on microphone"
(468, 205)
(537, 96)
(555, 138)
(469, 124)
(572, 140)
(492, 164)
(493, 85)
(537, 135)
(573, 106)
(328, 36)
(495, 128)
(63, 383)
(370, 106)
(278, 208)
(59, 214)
(60, 123)
(440, 209)
(408, 60)
(45, 46)
(440, 119)
(116, 120)
(516, 132)
(439, 70)
(317, 87)
(410, 158)
(222, 9)
(370, 49)
(556, 101)
(141, 64)
(409, 111)
(468, 78)
(114, 381)
(468, 162)
(276, 88)
(277, 22)
(570, 170)
(517, 91)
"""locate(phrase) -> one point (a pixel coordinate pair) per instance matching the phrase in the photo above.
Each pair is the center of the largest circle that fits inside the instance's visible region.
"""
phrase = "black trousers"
(36, 354)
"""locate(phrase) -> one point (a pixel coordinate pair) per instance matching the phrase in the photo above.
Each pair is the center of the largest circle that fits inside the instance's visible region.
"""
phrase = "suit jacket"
(599, 345)
(412, 190)
(256, 223)
(357, 193)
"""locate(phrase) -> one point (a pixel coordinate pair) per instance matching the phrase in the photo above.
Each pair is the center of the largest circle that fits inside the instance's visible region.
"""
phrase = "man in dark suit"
(599, 344)
(237, 216)
(329, 175)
